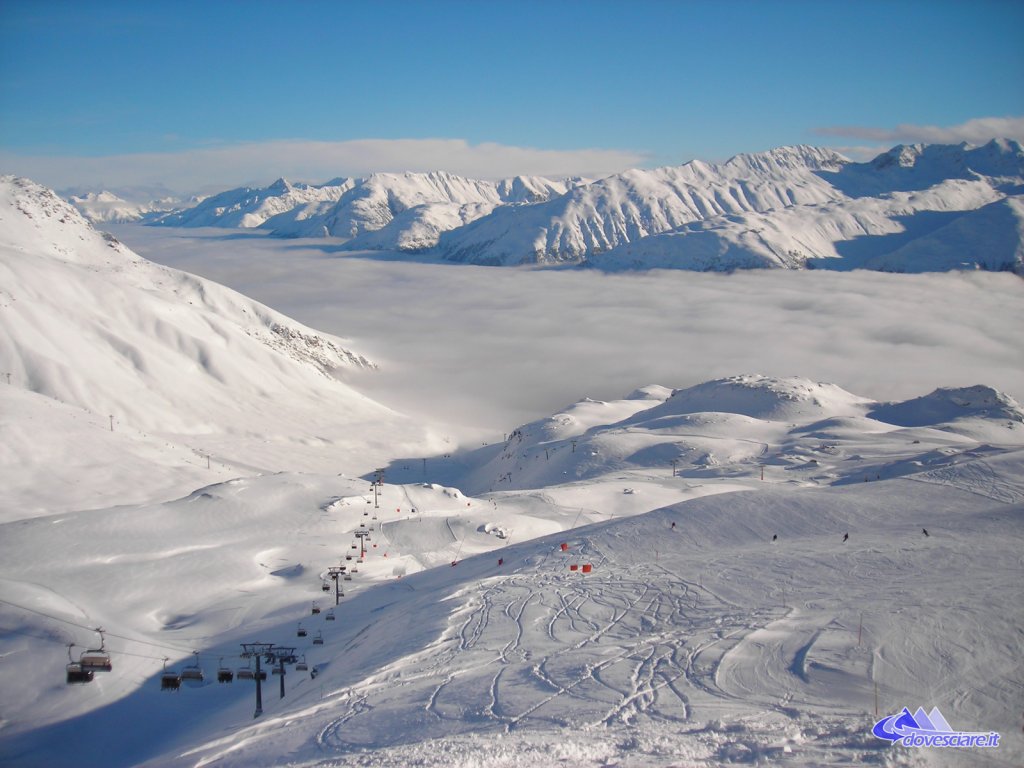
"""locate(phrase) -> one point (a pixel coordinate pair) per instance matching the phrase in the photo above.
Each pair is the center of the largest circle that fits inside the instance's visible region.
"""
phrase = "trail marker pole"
(674, 463)
(860, 628)
(111, 422)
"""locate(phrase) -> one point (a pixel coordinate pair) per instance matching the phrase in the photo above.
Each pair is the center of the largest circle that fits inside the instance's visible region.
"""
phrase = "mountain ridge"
(792, 207)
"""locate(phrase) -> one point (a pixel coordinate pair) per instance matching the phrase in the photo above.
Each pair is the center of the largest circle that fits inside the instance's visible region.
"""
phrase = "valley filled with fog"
(489, 348)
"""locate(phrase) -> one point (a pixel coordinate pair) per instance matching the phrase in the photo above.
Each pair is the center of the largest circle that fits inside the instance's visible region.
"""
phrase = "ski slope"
(746, 570)
(723, 618)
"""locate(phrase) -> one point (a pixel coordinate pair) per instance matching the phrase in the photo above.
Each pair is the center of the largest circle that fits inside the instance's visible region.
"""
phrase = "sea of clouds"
(491, 348)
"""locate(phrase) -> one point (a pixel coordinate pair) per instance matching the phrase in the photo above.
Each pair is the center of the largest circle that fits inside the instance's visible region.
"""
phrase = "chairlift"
(169, 680)
(193, 671)
(77, 675)
(96, 658)
(316, 609)
(319, 639)
(246, 673)
(348, 557)
(224, 674)
(348, 577)
(330, 615)
(301, 631)
(355, 546)
(326, 587)
(302, 666)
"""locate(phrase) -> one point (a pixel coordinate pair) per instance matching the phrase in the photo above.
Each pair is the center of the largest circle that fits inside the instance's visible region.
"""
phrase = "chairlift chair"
(316, 609)
(326, 587)
(169, 680)
(224, 674)
(96, 658)
(330, 615)
(193, 671)
(301, 632)
(246, 673)
(75, 673)
(319, 639)
(302, 666)
(348, 557)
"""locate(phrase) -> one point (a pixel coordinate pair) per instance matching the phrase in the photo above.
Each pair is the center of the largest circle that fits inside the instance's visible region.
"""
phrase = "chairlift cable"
(94, 629)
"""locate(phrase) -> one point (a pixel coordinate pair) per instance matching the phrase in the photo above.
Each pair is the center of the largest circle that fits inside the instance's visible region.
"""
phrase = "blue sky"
(231, 92)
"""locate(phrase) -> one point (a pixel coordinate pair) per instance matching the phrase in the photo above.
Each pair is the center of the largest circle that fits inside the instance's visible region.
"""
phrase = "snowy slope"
(252, 207)
(912, 209)
(407, 212)
(862, 232)
(638, 203)
(106, 207)
(695, 638)
(791, 207)
(156, 352)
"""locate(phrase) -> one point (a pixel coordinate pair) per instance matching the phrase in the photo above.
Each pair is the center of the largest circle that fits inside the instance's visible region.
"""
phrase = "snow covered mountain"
(791, 208)
(911, 209)
(681, 576)
(638, 203)
(386, 211)
(160, 356)
(107, 208)
(251, 207)
(717, 427)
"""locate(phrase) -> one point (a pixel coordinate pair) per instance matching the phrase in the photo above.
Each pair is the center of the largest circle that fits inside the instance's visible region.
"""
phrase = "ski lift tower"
(257, 651)
(362, 534)
(281, 656)
(378, 486)
(336, 572)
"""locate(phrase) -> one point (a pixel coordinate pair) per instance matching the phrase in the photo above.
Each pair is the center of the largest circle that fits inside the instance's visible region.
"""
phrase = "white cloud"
(495, 347)
(261, 162)
(976, 131)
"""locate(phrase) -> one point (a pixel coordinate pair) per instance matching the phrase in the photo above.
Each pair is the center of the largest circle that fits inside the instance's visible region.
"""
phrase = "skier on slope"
(845, 537)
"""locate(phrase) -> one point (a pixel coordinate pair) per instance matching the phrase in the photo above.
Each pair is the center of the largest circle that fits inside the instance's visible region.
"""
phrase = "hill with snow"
(913, 208)
(752, 569)
(386, 211)
(790, 208)
(94, 333)
(689, 575)
(106, 207)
